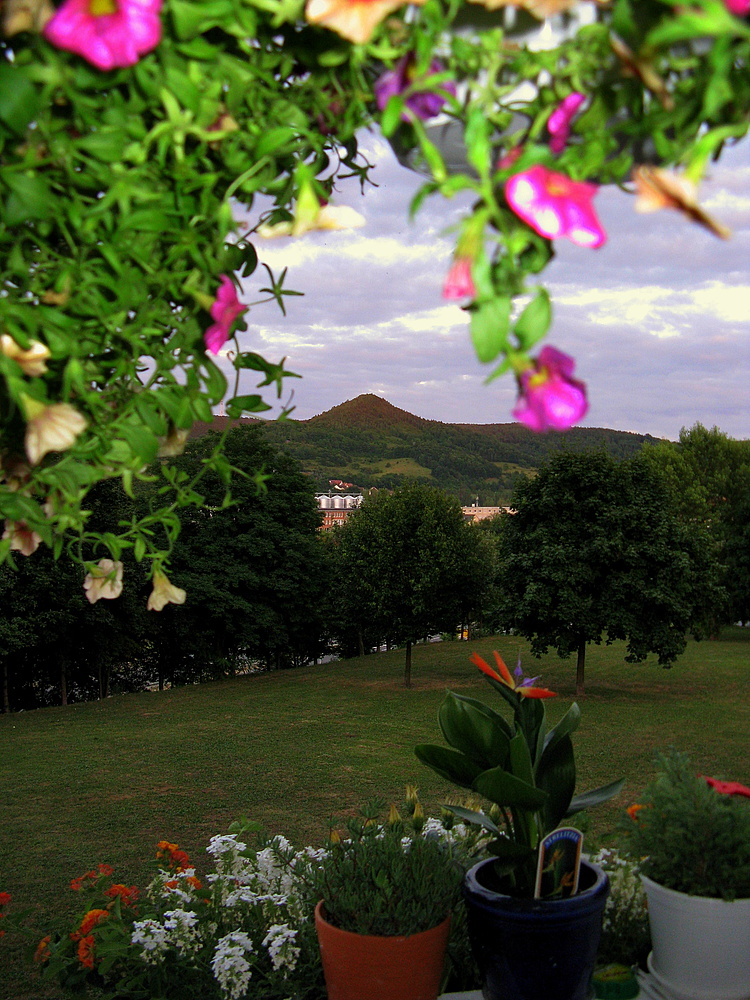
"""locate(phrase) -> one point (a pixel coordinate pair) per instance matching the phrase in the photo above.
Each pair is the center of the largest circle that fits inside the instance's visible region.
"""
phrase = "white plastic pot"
(700, 945)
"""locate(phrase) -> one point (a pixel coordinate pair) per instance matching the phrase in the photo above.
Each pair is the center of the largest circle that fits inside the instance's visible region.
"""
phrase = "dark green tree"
(597, 552)
(254, 571)
(409, 566)
(710, 474)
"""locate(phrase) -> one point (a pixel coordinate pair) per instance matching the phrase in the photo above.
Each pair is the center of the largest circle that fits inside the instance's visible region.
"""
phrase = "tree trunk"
(361, 641)
(101, 683)
(63, 684)
(580, 664)
(6, 696)
(161, 677)
(407, 665)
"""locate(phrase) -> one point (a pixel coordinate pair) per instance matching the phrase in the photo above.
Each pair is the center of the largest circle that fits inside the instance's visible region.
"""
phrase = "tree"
(710, 473)
(409, 566)
(254, 571)
(596, 552)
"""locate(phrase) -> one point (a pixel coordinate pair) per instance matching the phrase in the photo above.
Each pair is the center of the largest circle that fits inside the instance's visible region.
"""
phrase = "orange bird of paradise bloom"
(523, 686)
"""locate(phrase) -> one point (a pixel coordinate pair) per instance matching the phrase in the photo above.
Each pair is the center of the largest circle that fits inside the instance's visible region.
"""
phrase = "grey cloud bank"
(657, 319)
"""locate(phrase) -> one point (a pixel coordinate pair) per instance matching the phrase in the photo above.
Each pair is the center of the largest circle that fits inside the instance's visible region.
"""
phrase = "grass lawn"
(104, 781)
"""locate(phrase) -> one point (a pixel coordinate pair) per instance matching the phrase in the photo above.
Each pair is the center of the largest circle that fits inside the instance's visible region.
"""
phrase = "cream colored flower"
(173, 444)
(327, 217)
(539, 8)
(352, 19)
(22, 539)
(164, 593)
(103, 581)
(657, 189)
(51, 428)
(30, 359)
(25, 15)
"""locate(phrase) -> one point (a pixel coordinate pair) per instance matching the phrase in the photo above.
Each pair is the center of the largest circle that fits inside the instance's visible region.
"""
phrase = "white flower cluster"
(281, 948)
(230, 964)
(179, 929)
(627, 899)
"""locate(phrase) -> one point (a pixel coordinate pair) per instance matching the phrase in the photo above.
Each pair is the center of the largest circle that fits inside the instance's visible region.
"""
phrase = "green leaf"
(391, 116)
(534, 322)
(273, 139)
(490, 321)
(565, 727)
(556, 774)
(475, 729)
(595, 797)
(192, 18)
(449, 764)
(30, 198)
(19, 100)
(246, 404)
(471, 816)
(477, 138)
(505, 789)
(520, 759)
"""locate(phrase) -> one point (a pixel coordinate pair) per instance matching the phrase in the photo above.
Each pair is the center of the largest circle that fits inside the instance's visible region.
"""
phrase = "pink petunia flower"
(549, 397)
(225, 310)
(739, 7)
(558, 123)
(424, 104)
(108, 33)
(459, 283)
(554, 205)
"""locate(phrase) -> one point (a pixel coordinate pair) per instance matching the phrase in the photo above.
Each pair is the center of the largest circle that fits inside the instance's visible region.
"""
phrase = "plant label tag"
(559, 864)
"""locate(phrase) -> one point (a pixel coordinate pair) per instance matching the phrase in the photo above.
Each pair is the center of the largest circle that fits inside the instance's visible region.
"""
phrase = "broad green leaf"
(449, 764)
(520, 760)
(30, 198)
(533, 323)
(595, 797)
(246, 404)
(504, 789)
(556, 774)
(475, 730)
(19, 100)
(471, 816)
(477, 139)
(490, 321)
(565, 727)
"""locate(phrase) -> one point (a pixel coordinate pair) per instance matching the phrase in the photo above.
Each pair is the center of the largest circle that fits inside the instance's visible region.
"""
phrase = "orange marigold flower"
(164, 847)
(86, 951)
(42, 953)
(106, 869)
(633, 810)
(194, 882)
(172, 883)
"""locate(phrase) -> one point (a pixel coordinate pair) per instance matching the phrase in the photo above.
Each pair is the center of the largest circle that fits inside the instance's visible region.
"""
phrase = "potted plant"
(383, 915)
(693, 836)
(525, 947)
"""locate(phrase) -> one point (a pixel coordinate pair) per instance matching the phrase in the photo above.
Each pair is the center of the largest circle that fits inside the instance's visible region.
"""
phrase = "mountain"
(369, 442)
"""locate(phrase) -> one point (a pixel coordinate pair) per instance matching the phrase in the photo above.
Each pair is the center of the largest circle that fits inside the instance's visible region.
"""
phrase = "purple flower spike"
(108, 33)
(425, 104)
(554, 205)
(225, 311)
(559, 121)
(549, 397)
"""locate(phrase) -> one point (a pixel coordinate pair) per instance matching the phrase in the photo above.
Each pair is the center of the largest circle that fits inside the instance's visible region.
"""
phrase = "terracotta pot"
(367, 967)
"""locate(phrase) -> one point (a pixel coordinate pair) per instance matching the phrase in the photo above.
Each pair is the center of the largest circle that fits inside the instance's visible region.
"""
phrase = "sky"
(658, 319)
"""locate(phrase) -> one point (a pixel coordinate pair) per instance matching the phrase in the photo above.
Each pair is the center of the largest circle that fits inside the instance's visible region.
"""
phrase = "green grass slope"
(103, 782)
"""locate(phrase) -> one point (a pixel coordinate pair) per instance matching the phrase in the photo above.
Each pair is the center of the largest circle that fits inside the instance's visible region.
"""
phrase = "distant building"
(337, 507)
(477, 513)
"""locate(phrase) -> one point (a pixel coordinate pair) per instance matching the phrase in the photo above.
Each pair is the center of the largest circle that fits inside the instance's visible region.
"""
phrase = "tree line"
(651, 549)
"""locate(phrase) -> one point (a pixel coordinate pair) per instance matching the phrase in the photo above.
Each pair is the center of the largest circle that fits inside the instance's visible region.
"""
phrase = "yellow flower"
(105, 580)
(30, 359)
(25, 15)
(352, 19)
(164, 593)
(50, 428)
(22, 539)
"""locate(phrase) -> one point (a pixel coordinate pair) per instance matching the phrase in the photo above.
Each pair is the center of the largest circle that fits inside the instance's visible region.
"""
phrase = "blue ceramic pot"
(535, 949)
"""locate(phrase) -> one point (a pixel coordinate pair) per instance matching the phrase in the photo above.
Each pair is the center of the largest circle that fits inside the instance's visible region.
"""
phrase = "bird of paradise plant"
(525, 768)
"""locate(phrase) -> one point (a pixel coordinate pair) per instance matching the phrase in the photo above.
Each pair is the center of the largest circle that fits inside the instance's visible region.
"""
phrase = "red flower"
(128, 894)
(554, 205)
(42, 953)
(86, 951)
(89, 922)
(5, 898)
(727, 787)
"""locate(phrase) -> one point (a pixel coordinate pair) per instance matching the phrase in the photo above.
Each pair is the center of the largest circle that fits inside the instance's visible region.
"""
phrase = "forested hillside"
(368, 442)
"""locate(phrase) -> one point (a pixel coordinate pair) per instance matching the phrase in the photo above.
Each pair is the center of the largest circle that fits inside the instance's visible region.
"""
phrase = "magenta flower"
(424, 104)
(558, 123)
(458, 281)
(108, 33)
(739, 7)
(225, 310)
(554, 205)
(549, 397)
